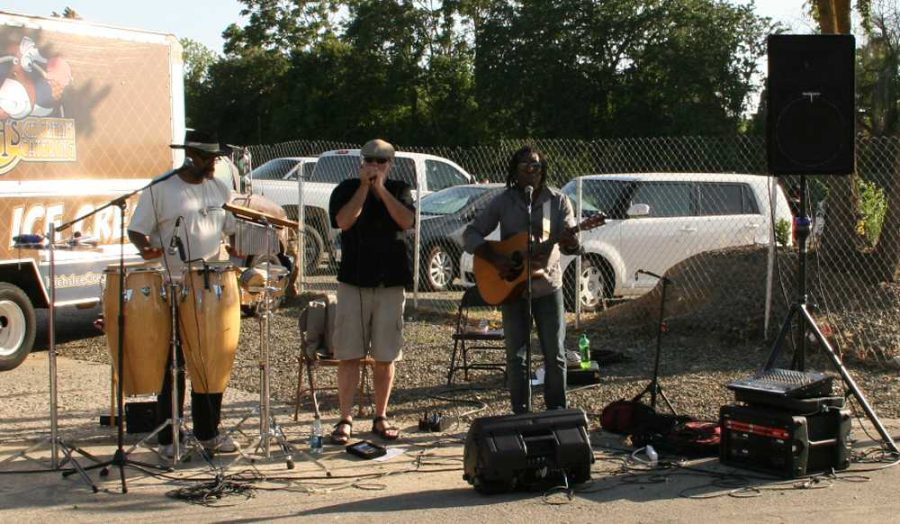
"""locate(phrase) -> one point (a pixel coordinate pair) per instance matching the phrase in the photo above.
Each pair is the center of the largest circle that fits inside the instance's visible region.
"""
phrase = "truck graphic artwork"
(87, 113)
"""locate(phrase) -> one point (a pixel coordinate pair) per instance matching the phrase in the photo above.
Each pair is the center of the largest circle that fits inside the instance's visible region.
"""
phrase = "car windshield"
(607, 196)
(450, 200)
(273, 170)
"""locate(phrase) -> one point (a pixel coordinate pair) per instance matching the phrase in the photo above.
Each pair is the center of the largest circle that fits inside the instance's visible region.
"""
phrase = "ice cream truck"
(87, 114)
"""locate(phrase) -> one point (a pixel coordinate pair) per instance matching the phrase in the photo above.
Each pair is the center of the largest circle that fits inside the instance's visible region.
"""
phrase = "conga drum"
(209, 318)
(148, 327)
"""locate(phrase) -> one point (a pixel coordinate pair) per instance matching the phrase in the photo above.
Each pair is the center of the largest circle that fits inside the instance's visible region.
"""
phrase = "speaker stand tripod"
(654, 388)
(56, 443)
(800, 309)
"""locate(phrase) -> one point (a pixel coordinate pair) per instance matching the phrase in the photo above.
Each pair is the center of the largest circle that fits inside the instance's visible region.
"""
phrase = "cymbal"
(252, 215)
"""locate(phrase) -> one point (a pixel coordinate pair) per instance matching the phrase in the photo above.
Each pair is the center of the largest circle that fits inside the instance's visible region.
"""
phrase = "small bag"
(316, 324)
(625, 416)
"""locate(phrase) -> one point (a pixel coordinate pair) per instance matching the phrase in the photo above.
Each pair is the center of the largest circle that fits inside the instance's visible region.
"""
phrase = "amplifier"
(783, 443)
(528, 450)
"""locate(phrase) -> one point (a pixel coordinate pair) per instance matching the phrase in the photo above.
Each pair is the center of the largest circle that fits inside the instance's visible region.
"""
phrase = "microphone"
(175, 245)
(528, 192)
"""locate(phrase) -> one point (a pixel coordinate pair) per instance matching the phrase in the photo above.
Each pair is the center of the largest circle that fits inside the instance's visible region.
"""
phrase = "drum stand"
(178, 425)
(268, 428)
(56, 442)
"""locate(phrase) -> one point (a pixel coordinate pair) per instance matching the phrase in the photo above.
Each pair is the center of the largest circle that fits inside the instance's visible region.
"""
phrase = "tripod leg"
(67, 452)
(782, 333)
(662, 395)
(851, 384)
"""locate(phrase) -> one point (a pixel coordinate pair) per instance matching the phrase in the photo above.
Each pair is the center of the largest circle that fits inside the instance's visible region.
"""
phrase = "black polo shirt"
(374, 250)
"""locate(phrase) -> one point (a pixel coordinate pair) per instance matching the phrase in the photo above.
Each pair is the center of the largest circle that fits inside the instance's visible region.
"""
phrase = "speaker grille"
(810, 125)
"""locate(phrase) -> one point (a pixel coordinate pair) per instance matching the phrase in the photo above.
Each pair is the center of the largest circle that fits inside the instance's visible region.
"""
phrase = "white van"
(656, 220)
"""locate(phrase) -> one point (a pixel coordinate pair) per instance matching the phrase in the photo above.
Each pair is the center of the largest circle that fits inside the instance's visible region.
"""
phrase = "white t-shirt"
(203, 219)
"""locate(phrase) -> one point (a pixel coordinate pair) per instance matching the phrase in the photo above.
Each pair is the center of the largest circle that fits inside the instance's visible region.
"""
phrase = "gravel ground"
(711, 341)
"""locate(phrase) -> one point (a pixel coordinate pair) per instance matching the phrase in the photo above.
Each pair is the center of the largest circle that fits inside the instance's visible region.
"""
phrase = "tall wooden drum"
(148, 327)
(209, 318)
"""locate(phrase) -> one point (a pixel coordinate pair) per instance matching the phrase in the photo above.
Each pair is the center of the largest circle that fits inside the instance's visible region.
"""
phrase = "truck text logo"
(36, 139)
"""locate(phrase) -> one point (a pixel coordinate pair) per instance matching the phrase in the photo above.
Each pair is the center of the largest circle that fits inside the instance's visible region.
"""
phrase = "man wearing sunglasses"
(552, 216)
(372, 212)
(187, 207)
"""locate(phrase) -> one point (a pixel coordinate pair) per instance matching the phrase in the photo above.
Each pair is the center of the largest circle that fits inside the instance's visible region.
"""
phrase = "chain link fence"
(667, 200)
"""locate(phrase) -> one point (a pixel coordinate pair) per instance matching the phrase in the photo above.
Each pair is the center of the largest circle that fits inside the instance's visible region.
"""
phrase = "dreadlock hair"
(525, 152)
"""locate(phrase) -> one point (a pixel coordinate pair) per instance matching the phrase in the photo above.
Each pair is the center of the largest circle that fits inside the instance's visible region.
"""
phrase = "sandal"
(342, 437)
(386, 432)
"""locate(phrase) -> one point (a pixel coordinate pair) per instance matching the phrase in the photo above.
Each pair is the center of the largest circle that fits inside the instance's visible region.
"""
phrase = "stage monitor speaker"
(527, 451)
(810, 127)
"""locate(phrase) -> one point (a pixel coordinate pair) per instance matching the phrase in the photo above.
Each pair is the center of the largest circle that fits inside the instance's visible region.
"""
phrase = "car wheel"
(438, 269)
(594, 286)
(17, 326)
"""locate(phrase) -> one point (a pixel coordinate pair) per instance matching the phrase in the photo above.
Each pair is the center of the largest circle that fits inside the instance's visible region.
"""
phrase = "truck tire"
(17, 326)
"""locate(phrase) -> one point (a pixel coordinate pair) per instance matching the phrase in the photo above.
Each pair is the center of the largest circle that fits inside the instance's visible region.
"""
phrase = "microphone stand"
(56, 443)
(653, 387)
(120, 458)
(529, 192)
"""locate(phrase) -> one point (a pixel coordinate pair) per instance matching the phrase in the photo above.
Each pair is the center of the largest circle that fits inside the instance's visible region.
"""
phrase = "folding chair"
(466, 338)
(312, 367)
(316, 325)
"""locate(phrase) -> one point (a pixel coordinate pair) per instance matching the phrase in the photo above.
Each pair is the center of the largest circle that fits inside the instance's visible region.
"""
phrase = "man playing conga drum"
(189, 206)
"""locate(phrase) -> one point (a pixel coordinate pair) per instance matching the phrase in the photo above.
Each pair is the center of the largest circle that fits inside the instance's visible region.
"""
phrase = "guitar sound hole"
(518, 264)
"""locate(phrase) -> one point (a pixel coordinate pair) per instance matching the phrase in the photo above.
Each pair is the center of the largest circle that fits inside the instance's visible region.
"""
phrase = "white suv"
(656, 220)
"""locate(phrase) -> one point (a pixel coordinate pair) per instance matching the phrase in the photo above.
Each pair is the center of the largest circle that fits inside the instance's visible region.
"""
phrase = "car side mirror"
(638, 210)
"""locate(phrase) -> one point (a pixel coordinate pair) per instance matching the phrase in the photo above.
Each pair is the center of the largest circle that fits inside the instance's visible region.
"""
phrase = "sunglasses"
(370, 160)
(530, 165)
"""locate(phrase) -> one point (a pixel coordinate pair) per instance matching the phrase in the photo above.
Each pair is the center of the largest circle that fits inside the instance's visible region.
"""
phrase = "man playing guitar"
(552, 217)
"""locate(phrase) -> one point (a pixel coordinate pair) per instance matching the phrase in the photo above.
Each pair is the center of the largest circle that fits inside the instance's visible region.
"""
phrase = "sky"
(204, 20)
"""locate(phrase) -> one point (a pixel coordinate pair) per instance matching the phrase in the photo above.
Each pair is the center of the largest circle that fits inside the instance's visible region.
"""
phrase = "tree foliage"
(469, 71)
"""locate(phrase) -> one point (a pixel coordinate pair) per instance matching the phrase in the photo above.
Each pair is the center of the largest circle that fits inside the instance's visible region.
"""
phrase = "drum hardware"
(268, 428)
(177, 424)
(57, 444)
(120, 458)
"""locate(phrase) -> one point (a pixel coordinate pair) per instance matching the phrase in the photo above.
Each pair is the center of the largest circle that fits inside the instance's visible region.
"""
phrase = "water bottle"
(315, 437)
(584, 348)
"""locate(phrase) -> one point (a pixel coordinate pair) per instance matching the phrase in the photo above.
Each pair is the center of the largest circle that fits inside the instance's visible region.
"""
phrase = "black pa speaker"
(527, 451)
(810, 128)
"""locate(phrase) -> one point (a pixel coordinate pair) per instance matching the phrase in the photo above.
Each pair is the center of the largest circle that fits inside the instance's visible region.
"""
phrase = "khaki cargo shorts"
(369, 320)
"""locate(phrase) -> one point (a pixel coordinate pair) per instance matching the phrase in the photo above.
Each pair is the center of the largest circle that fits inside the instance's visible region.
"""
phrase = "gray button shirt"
(509, 209)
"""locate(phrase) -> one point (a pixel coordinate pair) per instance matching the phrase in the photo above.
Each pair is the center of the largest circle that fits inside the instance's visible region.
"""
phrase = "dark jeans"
(550, 321)
(206, 408)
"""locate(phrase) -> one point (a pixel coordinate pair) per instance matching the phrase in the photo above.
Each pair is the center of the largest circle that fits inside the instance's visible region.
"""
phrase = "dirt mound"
(722, 294)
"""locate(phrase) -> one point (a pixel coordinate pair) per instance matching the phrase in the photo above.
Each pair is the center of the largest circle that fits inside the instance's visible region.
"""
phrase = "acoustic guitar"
(497, 290)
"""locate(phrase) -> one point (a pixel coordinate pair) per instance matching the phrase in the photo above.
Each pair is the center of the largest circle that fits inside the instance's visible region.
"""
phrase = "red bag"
(625, 416)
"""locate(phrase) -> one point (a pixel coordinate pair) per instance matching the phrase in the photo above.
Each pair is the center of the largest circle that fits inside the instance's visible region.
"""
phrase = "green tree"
(581, 68)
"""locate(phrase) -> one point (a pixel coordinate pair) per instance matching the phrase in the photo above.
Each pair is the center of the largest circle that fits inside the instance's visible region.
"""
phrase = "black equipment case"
(784, 443)
(522, 451)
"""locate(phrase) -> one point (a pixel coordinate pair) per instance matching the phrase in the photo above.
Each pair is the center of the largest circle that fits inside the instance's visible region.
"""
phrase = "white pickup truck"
(425, 173)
